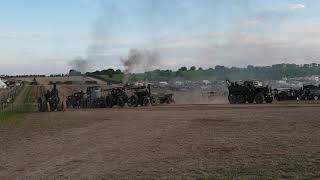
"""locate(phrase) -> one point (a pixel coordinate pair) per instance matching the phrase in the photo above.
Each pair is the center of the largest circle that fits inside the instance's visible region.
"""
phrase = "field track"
(266, 141)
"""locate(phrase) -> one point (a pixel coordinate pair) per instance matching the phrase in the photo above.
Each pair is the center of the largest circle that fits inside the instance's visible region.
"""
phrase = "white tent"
(2, 85)
(206, 82)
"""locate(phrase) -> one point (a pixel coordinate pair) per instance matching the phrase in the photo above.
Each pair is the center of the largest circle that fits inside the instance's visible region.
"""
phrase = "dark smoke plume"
(141, 61)
(81, 65)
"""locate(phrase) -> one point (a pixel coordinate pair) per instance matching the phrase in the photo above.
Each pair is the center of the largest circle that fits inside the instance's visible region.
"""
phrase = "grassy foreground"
(9, 115)
(25, 103)
(11, 118)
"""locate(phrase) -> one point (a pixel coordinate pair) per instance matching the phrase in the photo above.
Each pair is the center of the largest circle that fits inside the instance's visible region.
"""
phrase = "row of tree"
(274, 72)
(107, 72)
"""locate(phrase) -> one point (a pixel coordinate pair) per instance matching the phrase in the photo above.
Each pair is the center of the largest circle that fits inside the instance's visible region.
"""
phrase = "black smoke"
(141, 61)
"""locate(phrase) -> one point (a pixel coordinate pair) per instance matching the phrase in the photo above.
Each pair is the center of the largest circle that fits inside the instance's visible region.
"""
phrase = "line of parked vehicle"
(255, 92)
(132, 96)
(306, 92)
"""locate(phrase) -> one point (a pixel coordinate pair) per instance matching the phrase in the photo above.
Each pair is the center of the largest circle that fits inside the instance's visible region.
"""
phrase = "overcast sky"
(43, 36)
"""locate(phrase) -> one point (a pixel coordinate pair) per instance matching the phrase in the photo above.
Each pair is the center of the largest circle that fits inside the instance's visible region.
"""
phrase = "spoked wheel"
(145, 101)
(269, 99)
(240, 99)
(250, 101)
(168, 101)
(259, 99)
(133, 101)
(153, 101)
(54, 103)
(120, 102)
(232, 99)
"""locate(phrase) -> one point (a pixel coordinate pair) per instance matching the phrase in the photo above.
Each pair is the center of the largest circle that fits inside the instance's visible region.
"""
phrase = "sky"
(45, 36)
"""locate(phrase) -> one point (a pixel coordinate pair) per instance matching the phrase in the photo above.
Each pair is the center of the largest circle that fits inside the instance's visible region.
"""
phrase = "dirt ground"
(214, 141)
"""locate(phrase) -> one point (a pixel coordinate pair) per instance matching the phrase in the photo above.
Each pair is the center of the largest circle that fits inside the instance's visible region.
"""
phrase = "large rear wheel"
(259, 99)
(133, 101)
(251, 100)
(120, 102)
(269, 99)
(240, 99)
(232, 99)
(153, 101)
(145, 101)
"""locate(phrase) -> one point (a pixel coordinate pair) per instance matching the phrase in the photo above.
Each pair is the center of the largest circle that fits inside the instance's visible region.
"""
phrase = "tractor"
(94, 98)
(116, 96)
(285, 94)
(76, 100)
(166, 99)
(142, 96)
(91, 99)
(50, 101)
(249, 91)
(310, 92)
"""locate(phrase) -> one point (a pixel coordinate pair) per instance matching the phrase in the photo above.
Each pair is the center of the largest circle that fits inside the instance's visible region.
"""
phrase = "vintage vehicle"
(249, 92)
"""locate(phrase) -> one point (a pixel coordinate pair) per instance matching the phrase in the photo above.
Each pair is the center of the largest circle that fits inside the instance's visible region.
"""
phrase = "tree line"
(274, 72)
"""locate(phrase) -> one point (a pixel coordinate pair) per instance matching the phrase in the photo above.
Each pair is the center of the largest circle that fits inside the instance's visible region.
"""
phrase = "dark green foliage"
(110, 75)
(183, 69)
(274, 72)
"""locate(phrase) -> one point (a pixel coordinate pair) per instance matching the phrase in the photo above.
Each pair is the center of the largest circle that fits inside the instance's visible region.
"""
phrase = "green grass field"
(8, 115)
(25, 105)
(16, 111)
(11, 118)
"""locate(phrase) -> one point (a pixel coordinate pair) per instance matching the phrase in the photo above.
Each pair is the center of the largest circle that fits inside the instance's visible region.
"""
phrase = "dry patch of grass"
(11, 119)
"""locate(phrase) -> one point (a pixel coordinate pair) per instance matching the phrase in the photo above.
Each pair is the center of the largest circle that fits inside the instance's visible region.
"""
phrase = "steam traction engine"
(142, 96)
(310, 92)
(249, 91)
(116, 96)
(50, 100)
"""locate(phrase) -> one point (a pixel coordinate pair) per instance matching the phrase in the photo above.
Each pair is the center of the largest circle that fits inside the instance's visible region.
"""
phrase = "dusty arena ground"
(179, 141)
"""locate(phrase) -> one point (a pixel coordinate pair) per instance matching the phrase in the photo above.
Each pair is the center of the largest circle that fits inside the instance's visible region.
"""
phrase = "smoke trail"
(81, 65)
(141, 61)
